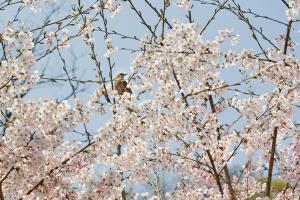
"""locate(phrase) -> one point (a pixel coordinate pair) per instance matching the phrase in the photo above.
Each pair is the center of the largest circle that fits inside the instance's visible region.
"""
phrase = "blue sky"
(127, 23)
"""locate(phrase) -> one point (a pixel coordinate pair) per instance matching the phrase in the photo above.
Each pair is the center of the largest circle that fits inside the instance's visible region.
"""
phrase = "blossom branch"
(2, 180)
(287, 37)
(39, 183)
(274, 136)
(226, 171)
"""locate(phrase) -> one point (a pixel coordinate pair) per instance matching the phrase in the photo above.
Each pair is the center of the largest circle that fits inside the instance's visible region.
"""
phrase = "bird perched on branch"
(121, 85)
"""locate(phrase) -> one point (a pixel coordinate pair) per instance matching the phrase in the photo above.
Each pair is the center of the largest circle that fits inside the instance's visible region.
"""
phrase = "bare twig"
(213, 16)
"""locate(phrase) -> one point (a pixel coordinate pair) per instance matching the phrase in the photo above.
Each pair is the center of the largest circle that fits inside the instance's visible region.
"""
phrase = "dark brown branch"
(6, 175)
(271, 162)
(228, 181)
(190, 16)
(6, 83)
(226, 171)
(287, 37)
(1, 192)
(285, 3)
(2, 180)
(274, 137)
(179, 86)
(211, 103)
(216, 175)
(163, 19)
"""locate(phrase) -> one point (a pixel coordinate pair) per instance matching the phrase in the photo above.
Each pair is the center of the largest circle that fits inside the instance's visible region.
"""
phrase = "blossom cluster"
(184, 4)
(34, 4)
(173, 122)
(32, 140)
(178, 109)
(293, 11)
(113, 6)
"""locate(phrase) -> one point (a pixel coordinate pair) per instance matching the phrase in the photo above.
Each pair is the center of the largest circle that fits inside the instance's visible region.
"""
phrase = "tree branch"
(57, 167)
(226, 171)
(287, 37)
(271, 162)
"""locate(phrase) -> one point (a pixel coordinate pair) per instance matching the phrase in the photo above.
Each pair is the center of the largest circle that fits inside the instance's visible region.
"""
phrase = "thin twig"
(213, 16)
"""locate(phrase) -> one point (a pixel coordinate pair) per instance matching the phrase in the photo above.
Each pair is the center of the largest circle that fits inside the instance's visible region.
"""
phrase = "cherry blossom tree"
(185, 117)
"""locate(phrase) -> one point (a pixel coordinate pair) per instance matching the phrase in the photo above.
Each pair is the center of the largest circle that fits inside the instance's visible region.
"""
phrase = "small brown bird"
(121, 85)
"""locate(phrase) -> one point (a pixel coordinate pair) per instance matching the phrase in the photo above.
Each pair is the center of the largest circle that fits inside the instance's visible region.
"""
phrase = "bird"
(121, 85)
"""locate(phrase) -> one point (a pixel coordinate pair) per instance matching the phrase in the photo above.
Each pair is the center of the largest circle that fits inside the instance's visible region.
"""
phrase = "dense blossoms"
(32, 143)
(293, 11)
(185, 118)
